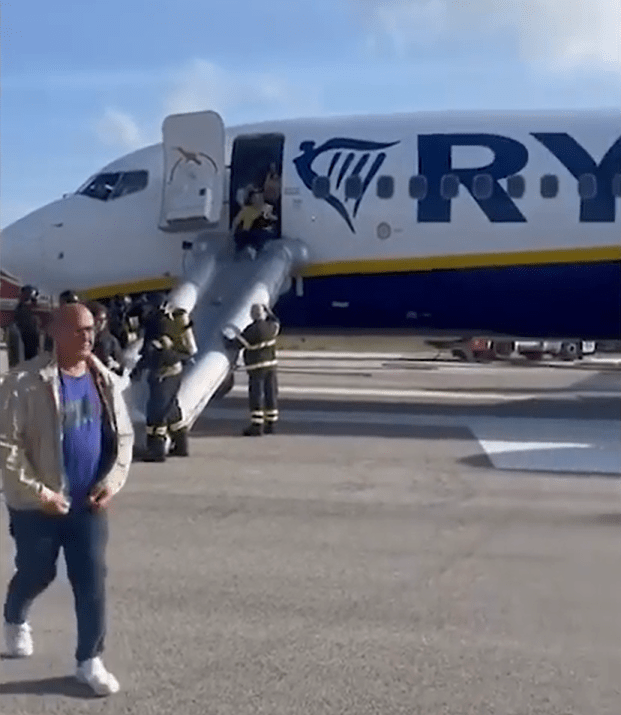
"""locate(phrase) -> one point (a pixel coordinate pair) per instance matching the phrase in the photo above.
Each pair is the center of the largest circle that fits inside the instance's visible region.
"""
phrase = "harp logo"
(340, 159)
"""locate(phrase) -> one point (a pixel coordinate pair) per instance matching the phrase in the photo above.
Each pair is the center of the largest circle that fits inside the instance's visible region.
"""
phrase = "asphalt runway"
(419, 537)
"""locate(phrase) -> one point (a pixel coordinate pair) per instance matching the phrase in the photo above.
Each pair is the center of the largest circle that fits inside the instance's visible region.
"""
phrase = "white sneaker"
(93, 673)
(18, 639)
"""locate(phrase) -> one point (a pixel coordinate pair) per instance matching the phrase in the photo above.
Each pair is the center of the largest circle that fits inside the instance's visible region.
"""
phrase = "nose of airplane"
(23, 245)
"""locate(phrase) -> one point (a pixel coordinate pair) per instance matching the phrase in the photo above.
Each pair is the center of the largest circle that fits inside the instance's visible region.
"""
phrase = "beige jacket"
(31, 452)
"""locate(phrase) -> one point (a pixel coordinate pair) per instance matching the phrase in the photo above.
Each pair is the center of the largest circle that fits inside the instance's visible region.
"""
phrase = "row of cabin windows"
(482, 186)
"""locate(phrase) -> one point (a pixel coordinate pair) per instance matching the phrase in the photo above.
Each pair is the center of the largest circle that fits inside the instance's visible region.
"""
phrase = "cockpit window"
(114, 185)
(131, 181)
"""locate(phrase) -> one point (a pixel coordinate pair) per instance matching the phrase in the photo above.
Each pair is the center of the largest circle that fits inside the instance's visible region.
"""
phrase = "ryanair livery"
(474, 223)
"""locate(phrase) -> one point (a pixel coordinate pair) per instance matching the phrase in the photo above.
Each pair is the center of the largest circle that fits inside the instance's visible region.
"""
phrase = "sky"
(84, 83)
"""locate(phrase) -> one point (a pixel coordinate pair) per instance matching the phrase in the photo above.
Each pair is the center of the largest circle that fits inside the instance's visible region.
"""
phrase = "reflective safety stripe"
(176, 426)
(260, 346)
(268, 363)
(160, 431)
(256, 417)
(243, 341)
(169, 371)
(150, 430)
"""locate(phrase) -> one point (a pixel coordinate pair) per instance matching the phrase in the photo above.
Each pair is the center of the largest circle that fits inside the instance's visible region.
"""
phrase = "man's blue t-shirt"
(82, 426)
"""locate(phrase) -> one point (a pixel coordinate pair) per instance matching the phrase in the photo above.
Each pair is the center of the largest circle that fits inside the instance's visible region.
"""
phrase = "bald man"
(66, 446)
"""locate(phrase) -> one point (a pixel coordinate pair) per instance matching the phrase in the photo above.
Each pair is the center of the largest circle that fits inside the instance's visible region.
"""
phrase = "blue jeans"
(38, 538)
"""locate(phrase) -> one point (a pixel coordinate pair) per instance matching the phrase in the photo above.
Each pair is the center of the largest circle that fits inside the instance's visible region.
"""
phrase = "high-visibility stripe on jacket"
(259, 343)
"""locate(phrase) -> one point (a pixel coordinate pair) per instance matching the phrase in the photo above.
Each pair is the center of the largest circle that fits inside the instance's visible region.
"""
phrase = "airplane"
(473, 223)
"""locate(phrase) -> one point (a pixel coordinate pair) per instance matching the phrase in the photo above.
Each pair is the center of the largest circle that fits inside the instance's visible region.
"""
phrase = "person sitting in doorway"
(254, 224)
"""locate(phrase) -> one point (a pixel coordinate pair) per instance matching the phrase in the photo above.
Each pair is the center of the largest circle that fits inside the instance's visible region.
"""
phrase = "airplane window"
(385, 187)
(587, 186)
(449, 186)
(101, 186)
(353, 187)
(616, 185)
(130, 183)
(516, 186)
(549, 186)
(418, 187)
(321, 187)
(482, 186)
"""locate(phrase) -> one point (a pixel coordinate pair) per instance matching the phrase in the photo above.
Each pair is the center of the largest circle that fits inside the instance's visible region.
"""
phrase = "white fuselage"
(407, 221)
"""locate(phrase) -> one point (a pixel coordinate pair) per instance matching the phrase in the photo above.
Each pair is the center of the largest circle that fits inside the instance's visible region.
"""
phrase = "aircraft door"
(193, 171)
(256, 166)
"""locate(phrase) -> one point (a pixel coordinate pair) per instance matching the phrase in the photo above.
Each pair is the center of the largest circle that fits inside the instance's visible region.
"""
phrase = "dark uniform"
(259, 343)
(106, 346)
(169, 342)
(27, 323)
(108, 349)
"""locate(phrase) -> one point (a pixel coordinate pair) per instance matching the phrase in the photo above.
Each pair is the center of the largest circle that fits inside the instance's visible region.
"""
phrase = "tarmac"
(420, 536)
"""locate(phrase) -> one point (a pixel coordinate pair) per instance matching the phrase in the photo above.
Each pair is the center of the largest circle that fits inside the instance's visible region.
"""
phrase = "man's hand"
(100, 498)
(53, 503)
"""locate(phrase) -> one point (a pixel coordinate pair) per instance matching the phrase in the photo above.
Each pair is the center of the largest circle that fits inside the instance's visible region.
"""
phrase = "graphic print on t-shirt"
(82, 422)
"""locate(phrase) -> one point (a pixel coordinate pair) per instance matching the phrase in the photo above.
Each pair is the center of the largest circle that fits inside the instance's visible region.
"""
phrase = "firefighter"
(259, 343)
(28, 326)
(67, 297)
(169, 343)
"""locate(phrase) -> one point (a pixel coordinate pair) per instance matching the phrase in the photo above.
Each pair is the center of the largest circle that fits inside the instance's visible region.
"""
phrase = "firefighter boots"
(156, 449)
(179, 444)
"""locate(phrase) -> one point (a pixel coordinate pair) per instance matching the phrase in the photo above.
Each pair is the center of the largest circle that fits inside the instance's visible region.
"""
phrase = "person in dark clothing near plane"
(168, 343)
(106, 346)
(259, 343)
(68, 297)
(27, 322)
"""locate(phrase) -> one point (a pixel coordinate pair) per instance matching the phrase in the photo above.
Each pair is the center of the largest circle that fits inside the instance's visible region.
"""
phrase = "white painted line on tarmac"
(442, 394)
(547, 445)
(511, 443)
(554, 457)
(376, 392)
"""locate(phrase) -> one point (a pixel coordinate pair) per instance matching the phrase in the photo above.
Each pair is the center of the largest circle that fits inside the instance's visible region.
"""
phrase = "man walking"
(259, 343)
(66, 446)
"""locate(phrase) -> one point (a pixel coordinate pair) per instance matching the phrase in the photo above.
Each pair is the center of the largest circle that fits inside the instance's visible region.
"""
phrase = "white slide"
(219, 292)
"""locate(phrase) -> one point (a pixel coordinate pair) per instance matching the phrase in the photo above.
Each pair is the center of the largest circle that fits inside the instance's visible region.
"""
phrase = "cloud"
(238, 96)
(119, 129)
(561, 34)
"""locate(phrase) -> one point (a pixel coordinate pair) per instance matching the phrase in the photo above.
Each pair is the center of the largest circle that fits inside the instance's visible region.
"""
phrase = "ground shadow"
(62, 685)
(232, 428)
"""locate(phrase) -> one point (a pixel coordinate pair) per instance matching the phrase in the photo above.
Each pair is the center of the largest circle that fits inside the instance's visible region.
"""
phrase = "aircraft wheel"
(570, 351)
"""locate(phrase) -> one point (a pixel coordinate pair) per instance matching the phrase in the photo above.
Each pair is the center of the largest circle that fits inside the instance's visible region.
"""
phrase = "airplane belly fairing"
(512, 300)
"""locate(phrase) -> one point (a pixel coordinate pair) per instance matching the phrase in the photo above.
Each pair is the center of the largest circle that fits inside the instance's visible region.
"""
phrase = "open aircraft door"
(193, 171)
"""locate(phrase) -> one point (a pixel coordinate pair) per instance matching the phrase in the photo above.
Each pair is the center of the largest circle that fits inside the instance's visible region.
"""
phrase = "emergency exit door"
(193, 171)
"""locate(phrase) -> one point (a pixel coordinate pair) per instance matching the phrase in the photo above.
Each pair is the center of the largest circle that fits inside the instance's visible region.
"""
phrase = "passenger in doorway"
(254, 224)
(271, 186)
